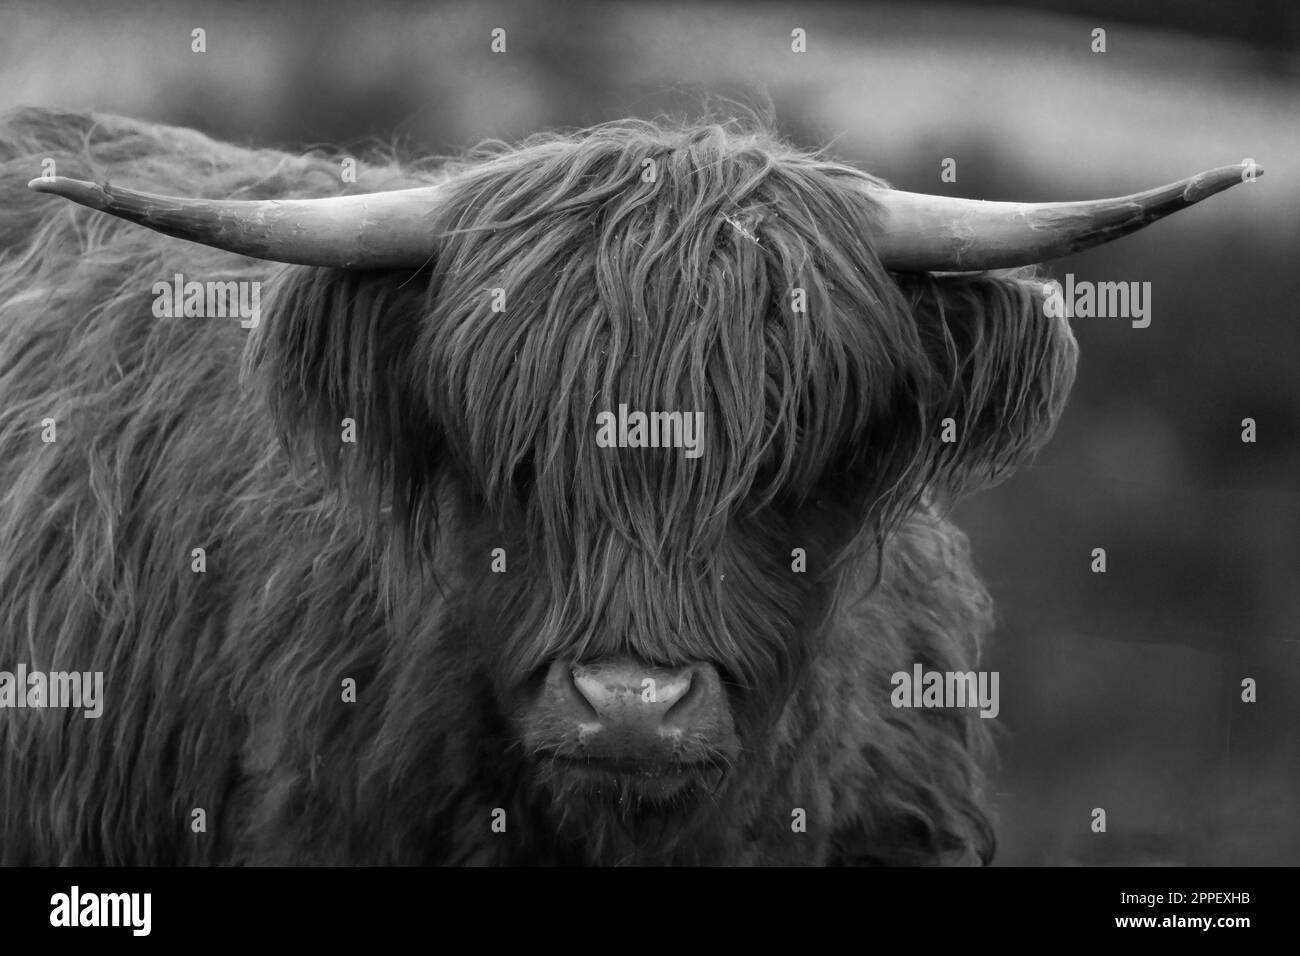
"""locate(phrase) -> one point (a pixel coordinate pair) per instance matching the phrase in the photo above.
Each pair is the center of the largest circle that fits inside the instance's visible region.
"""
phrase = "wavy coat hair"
(736, 279)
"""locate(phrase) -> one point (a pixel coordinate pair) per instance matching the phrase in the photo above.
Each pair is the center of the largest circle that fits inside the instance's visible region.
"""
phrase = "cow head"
(644, 615)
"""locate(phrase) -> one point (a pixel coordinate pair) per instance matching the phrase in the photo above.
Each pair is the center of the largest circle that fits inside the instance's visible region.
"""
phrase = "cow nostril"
(686, 699)
(671, 691)
(585, 696)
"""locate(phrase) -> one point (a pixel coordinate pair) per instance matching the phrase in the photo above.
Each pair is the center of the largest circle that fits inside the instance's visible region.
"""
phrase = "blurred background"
(1119, 690)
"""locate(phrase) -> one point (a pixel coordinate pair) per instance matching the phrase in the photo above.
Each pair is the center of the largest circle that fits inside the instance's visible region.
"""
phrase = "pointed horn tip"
(78, 190)
(1212, 181)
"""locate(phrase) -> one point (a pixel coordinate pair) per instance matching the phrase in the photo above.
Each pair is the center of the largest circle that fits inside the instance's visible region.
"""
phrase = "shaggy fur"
(328, 560)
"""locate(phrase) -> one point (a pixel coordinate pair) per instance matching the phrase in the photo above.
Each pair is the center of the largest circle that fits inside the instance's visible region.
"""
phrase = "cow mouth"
(652, 780)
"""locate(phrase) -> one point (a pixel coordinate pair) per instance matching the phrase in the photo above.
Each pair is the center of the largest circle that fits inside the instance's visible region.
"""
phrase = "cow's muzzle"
(651, 728)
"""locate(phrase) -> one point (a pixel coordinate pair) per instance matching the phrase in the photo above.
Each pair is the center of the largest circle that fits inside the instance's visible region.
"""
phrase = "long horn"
(922, 233)
(389, 230)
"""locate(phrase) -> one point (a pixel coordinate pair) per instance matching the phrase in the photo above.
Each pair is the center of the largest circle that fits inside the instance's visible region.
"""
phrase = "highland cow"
(361, 583)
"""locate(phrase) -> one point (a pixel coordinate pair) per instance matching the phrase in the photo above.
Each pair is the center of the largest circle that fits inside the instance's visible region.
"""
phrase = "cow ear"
(1002, 369)
(331, 360)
